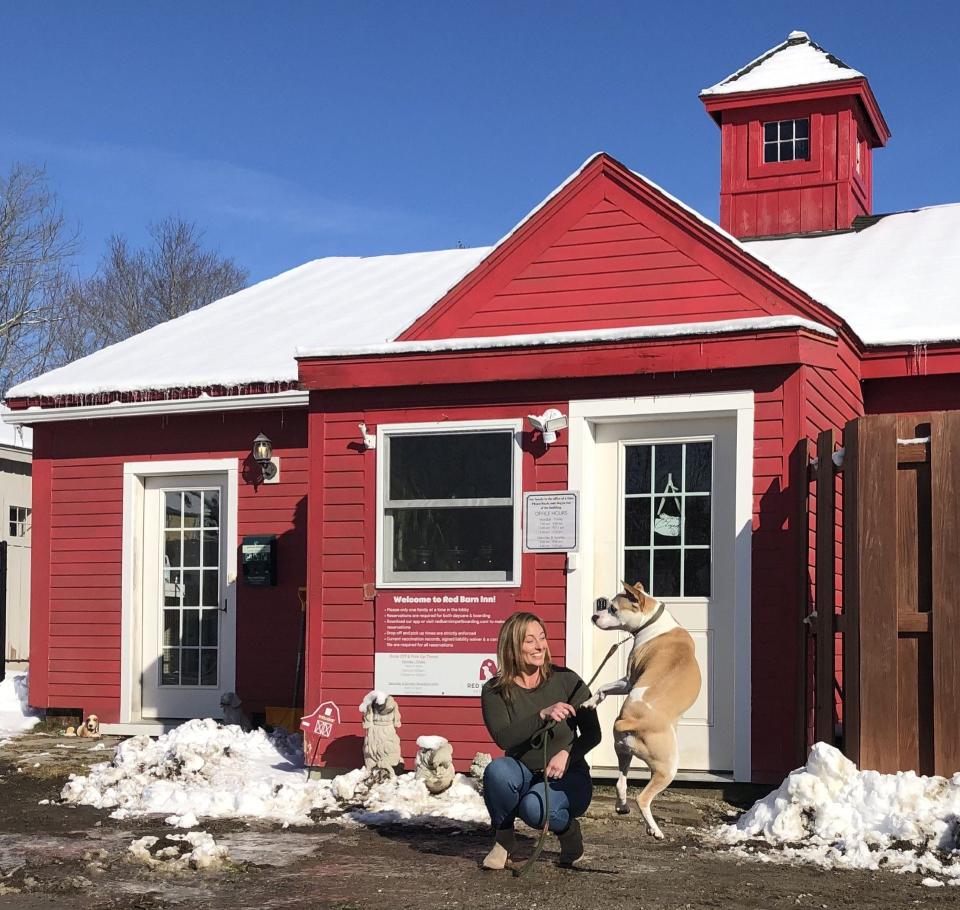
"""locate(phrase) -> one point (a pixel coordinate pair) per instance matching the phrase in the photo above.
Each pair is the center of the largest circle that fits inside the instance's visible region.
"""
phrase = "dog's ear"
(634, 592)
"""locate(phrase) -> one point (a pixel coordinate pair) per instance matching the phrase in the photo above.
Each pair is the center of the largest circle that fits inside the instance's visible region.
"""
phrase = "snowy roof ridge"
(801, 62)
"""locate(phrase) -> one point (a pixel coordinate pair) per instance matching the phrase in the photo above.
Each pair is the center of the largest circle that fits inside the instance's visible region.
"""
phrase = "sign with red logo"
(438, 642)
(322, 721)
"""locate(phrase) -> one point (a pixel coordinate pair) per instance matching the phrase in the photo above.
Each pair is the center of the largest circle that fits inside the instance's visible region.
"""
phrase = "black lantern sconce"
(263, 456)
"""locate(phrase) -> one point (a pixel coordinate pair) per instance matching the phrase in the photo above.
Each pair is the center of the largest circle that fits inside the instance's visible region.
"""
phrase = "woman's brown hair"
(509, 648)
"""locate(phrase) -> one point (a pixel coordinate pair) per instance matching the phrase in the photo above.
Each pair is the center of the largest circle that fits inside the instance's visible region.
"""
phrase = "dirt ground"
(54, 856)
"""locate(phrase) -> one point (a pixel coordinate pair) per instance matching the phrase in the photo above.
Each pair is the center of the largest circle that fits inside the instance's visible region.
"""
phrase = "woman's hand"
(557, 766)
(558, 712)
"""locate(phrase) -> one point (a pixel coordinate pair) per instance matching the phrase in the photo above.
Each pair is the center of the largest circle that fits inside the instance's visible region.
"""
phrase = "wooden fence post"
(825, 672)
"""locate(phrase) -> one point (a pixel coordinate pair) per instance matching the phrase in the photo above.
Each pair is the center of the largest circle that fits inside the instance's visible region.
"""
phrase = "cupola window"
(786, 140)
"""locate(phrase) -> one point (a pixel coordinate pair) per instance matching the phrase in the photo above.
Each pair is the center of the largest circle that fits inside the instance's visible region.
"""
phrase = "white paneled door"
(188, 621)
(665, 496)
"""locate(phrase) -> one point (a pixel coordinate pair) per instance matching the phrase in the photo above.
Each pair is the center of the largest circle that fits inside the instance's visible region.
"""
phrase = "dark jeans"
(511, 789)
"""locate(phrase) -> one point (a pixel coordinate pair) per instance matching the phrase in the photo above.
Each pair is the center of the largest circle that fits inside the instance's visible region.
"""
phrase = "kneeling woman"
(526, 692)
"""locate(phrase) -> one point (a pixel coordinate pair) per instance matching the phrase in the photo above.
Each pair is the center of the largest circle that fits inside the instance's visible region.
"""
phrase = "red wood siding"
(912, 394)
(78, 522)
(343, 548)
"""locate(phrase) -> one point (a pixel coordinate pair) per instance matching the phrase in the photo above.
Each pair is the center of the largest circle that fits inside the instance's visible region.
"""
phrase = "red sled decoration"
(321, 721)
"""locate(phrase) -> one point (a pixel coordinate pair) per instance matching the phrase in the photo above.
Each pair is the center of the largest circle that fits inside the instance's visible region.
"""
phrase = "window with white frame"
(786, 140)
(19, 521)
(449, 501)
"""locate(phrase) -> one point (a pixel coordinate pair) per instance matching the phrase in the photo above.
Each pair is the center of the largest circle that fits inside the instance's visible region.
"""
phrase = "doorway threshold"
(141, 727)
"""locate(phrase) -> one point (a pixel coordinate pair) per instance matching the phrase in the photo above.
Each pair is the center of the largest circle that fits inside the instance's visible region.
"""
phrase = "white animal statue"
(233, 713)
(381, 742)
(434, 765)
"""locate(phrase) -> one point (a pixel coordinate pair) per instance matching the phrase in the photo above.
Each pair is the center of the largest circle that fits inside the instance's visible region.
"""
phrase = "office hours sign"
(551, 522)
(438, 642)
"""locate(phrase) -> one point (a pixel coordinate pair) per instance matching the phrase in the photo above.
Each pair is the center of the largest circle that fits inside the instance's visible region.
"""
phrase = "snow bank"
(204, 770)
(16, 716)
(835, 816)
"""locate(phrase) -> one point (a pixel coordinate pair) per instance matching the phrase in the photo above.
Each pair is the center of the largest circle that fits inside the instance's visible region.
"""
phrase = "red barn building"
(692, 363)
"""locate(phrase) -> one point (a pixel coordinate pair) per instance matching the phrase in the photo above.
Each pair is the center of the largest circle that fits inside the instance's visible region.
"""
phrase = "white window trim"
(514, 425)
(135, 474)
(583, 419)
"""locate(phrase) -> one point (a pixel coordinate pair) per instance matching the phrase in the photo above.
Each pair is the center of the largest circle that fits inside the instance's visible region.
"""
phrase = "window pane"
(211, 508)
(451, 466)
(171, 588)
(171, 628)
(191, 589)
(172, 548)
(801, 128)
(803, 149)
(208, 667)
(769, 153)
(699, 468)
(668, 467)
(170, 667)
(191, 627)
(453, 540)
(189, 666)
(211, 588)
(638, 469)
(211, 548)
(209, 627)
(786, 129)
(172, 510)
(191, 509)
(696, 573)
(770, 132)
(666, 573)
(636, 522)
(786, 151)
(636, 567)
(191, 548)
(696, 528)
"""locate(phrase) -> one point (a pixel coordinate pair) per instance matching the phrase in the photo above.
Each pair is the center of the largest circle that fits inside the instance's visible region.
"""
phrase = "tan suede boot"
(571, 844)
(504, 844)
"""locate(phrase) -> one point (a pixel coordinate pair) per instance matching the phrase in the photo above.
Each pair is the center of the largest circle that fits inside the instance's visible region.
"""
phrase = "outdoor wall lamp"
(549, 423)
(369, 440)
(263, 456)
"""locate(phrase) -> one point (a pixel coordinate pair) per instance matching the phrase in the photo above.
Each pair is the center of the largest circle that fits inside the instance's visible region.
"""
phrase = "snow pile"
(375, 696)
(16, 716)
(406, 800)
(202, 769)
(196, 850)
(835, 816)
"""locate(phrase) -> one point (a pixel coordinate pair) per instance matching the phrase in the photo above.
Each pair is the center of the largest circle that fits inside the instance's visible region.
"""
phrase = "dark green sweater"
(512, 724)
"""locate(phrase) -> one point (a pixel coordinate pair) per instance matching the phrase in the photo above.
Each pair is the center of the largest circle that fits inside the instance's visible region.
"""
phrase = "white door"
(188, 621)
(665, 517)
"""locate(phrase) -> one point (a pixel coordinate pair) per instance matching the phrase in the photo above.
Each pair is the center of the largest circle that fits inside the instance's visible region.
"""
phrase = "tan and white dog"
(662, 681)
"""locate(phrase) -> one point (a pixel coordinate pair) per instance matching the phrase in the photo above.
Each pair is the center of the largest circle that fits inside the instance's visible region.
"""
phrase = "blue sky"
(293, 130)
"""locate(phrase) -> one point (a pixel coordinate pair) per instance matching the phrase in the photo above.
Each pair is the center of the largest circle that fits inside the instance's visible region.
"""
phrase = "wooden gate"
(899, 626)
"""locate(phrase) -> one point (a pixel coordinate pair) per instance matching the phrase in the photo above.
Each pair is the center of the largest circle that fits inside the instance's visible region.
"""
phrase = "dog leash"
(540, 740)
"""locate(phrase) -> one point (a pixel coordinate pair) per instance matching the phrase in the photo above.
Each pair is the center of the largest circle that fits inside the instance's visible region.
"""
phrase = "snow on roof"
(250, 336)
(896, 281)
(796, 61)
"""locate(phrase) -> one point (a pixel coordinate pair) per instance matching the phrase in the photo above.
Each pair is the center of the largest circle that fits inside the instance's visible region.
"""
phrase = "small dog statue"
(381, 742)
(233, 713)
(90, 728)
(478, 766)
(434, 764)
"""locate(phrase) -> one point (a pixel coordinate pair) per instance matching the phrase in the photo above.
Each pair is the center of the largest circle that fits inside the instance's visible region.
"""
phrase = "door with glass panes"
(665, 517)
(188, 629)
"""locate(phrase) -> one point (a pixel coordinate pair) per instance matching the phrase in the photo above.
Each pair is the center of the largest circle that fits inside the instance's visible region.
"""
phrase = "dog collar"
(653, 618)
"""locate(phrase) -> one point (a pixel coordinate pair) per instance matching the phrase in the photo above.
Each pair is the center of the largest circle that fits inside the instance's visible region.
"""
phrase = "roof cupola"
(798, 128)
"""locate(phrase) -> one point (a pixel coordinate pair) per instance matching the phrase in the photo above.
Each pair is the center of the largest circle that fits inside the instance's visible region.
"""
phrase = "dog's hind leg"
(661, 752)
(624, 757)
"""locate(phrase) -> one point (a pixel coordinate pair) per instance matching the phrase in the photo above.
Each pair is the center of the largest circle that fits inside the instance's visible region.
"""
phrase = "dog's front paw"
(591, 703)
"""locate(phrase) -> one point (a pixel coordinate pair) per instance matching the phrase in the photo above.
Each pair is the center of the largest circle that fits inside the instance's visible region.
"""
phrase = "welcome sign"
(438, 642)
